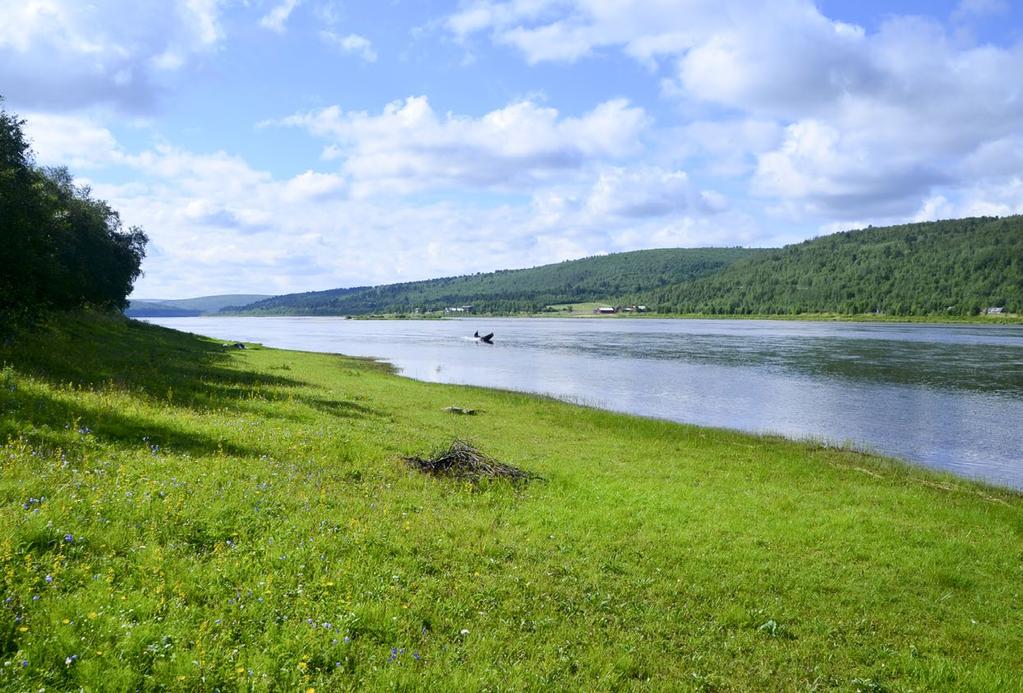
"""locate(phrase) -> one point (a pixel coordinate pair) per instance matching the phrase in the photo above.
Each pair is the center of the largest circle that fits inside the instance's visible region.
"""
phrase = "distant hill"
(186, 307)
(955, 267)
(604, 277)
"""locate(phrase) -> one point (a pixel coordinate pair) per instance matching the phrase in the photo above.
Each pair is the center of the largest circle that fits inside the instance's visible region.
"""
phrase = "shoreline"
(1008, 320)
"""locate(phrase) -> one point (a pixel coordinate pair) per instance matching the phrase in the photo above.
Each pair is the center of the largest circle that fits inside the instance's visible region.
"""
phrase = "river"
(944, 396)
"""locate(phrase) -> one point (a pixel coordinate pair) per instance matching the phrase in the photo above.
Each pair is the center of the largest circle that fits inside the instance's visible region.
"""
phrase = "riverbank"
(176, 513)
(586, 311)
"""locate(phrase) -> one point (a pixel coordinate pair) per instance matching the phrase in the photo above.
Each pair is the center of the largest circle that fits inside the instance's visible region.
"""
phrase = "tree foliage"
(60, 248)
(953, 267)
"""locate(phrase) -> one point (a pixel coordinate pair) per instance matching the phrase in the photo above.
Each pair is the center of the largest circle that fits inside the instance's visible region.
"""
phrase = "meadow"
(177, 515)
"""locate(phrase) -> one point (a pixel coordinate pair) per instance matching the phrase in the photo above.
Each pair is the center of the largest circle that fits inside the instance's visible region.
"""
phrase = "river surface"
(945, 396)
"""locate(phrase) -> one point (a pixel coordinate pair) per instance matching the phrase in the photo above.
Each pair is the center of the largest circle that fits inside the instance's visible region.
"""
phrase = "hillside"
(179, 516)
(527, 290)
(185, 307)
(955, 267)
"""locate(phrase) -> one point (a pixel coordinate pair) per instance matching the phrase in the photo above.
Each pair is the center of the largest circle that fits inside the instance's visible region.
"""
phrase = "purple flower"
(49, 579)
(69, 538)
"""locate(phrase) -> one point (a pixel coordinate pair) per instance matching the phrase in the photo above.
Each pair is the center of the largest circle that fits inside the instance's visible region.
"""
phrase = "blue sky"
(270, 146)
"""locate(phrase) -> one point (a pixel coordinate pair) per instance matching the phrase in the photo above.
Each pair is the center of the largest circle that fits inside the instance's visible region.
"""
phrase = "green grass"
(241, 520)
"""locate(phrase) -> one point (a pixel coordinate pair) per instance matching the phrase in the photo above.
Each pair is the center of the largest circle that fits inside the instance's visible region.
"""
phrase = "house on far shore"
(458, 309)
(635, 309)
(994, 310)
(604, 310)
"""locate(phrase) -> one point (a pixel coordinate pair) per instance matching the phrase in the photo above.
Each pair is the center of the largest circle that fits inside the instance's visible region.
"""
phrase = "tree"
(59, 247)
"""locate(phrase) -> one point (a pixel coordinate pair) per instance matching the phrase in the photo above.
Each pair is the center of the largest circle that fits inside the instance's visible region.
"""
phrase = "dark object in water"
(462, 461)
(486, 338)
(461, 410)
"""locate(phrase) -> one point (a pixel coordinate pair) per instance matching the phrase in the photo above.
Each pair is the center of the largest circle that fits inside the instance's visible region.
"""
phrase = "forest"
(595, 278)
(956, 267)
(61, 248)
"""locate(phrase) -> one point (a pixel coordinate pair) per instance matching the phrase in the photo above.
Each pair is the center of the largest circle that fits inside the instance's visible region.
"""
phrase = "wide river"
(945, 396)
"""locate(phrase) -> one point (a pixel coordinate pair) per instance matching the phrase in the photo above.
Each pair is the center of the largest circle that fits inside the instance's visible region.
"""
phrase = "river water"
(945, 396)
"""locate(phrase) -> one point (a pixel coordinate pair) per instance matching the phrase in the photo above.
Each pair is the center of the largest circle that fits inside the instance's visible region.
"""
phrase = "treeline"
(956, 267)
(514, 291)
(60, 248)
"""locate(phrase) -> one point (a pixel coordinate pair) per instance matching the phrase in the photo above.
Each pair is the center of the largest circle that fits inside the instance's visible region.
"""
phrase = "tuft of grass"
(174, 515)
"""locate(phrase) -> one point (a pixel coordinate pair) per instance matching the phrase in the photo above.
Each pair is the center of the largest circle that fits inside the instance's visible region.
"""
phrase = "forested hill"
(508, 291)
(956, 267)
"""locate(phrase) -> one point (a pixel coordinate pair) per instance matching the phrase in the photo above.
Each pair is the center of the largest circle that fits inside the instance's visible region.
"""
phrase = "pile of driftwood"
(462, 461)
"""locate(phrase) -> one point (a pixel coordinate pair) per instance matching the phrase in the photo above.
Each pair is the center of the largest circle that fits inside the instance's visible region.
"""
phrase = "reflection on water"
(946, 396)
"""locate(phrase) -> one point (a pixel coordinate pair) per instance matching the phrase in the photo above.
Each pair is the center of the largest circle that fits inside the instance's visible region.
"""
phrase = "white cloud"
(409, 146)
(353, 44)
(277, 18)
(640, 193)
(65, 53)
(75, 141)
(873, 123)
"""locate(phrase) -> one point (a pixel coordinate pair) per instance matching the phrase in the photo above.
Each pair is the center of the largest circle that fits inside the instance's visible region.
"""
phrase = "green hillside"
(955, 267)
(526, 290)
(184, 307)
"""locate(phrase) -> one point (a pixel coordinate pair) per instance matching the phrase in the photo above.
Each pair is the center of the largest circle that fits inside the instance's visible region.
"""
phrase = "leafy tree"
(59, 247)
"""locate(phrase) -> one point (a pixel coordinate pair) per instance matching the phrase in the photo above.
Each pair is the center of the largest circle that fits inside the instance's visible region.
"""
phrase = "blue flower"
(69, 538)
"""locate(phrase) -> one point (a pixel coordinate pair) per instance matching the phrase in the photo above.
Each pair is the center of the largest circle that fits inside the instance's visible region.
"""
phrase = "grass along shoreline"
(177, 515)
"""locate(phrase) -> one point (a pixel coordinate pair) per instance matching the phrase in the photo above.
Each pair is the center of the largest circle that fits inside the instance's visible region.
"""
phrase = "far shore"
(1001, 319)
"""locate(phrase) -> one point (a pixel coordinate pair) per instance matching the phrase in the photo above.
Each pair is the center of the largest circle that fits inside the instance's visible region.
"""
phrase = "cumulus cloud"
(409, 146)
(64, 53)
(353, 44)
(851, 124)
(70, 140)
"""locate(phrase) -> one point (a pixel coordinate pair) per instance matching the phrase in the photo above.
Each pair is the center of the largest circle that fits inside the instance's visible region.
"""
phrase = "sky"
(275, 146)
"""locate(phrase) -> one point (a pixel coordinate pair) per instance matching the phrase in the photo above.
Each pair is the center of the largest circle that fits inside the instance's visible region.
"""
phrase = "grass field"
(179, 516)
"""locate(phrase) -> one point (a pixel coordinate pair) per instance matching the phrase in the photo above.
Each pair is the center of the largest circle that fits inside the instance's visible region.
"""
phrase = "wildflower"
(347, 640)
(49, 579)
(69, 538)
(464, 632)
(415, 656)
(70, 660)
(24, 663)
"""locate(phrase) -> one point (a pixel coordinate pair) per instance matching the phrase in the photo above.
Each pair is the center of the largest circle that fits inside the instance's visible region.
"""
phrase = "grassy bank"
(175, 515)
